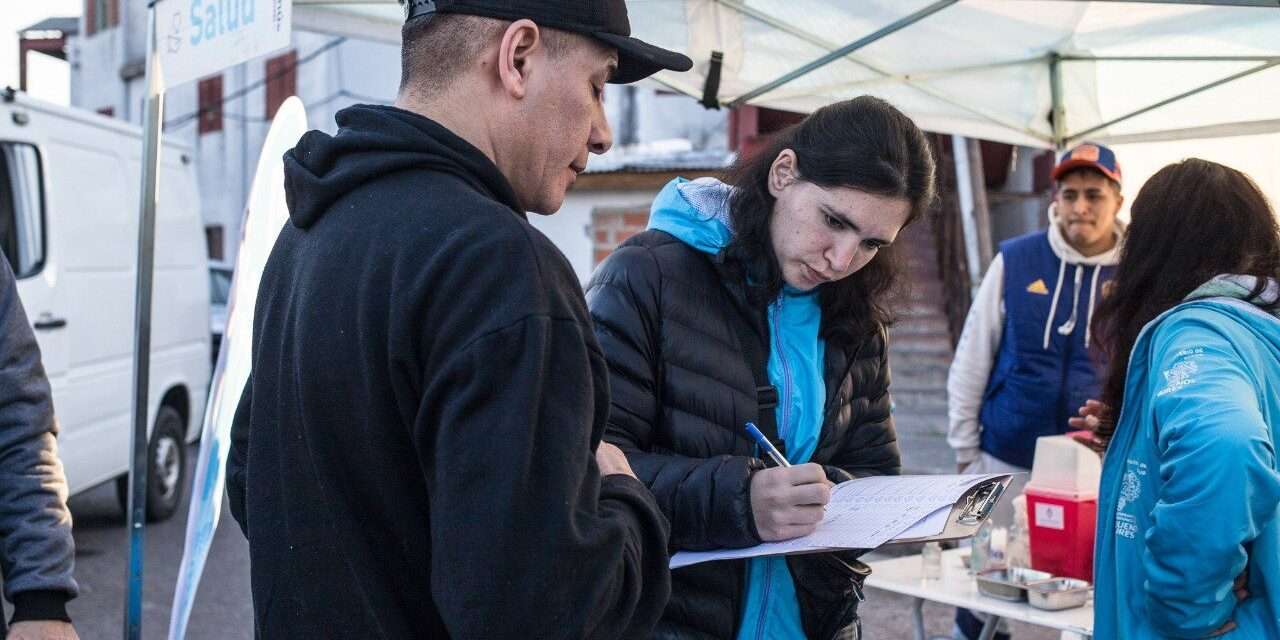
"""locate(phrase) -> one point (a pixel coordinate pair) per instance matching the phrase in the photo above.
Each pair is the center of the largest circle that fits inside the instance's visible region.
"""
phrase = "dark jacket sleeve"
(528, 540)
(238, 457)
(707, 500)
(37, 554)
(870, 444)
(830, 584)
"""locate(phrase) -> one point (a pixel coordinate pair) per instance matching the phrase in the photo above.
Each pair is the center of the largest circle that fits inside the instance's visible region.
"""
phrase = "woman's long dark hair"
(1193, 220)
(864, 144)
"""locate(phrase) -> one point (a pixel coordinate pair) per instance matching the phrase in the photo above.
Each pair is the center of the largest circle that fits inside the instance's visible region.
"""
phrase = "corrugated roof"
(621, 161)
(67, 26)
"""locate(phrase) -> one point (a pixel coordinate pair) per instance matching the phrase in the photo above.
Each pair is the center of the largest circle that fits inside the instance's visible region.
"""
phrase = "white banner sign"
(196, 38)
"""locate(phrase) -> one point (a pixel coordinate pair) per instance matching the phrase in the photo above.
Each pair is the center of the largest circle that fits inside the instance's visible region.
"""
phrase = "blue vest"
(1032, 389)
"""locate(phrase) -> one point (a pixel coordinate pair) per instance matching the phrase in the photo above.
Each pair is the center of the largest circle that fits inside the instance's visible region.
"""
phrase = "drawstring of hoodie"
(1068, 327)
(1053, 308)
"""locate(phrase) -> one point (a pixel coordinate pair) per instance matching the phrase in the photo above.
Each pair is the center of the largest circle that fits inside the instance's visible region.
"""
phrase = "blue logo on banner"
(211, 19)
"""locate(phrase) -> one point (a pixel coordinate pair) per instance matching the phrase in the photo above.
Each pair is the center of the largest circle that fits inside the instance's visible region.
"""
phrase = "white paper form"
(863, 514)
(932, 525)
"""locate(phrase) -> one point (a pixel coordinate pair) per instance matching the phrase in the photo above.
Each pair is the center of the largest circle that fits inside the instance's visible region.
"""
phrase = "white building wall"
(664, 116)
(569, 227)
(360, 72)
(661, 115)
(348, 73)
(95, 79)
(345, 73)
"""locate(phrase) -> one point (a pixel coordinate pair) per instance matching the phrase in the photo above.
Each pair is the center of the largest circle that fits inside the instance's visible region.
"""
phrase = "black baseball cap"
(604, 20)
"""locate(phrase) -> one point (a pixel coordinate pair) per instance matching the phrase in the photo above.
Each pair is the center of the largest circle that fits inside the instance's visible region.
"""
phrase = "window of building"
(219, 285)
(282, 80)
(100, 15)
(21, 208)
(210, 95)
(213, 235)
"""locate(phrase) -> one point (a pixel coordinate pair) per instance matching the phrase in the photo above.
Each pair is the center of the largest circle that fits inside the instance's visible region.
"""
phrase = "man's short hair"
(436, 50)
(1087, 171)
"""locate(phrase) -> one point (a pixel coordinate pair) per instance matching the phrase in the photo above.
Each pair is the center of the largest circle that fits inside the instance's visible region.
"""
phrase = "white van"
(69, 183)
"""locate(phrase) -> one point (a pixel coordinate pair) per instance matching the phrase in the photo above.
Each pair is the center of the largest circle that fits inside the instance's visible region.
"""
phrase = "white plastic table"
(956, 587)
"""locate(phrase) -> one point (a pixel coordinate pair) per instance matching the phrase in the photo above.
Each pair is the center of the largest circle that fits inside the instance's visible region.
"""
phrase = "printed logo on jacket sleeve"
(1130, 492)
(1182, 373)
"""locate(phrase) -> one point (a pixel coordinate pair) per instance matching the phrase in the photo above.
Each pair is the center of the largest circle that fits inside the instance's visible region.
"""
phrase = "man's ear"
(519, 42)
(783, 172)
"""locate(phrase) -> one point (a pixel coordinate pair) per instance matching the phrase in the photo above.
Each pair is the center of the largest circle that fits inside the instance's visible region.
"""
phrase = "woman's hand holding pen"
(789, 502)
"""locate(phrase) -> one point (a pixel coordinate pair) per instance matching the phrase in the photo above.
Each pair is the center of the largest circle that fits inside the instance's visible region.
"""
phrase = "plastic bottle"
(980, 548)
(1018, 553)
(999, 544)
(931, 557)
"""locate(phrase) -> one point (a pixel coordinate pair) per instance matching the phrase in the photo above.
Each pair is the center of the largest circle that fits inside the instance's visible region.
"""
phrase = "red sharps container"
(1062, 507)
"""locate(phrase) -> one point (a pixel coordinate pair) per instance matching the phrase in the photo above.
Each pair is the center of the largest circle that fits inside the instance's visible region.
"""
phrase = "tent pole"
(897, 25)
(1224, 130)
(1079, 58)
(981, 210)
(907, 80)
(968, 222)
(153, 117)
(1221, 3)
(1187, 94)
(1058, 113)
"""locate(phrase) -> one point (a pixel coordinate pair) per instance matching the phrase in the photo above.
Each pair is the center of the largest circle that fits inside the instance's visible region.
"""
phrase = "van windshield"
(21, 208)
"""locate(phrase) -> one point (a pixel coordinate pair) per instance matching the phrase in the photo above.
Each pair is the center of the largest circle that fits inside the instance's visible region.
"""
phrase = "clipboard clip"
(981, 503)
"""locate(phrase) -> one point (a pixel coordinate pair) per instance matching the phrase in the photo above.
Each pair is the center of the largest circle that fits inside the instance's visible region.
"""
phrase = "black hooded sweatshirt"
(412, 456)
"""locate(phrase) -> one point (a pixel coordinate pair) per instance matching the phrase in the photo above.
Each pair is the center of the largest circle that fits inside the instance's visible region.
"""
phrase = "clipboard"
(969, 512)
(881, 504)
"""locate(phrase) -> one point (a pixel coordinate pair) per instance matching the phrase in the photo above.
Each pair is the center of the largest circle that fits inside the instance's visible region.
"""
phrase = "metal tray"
(1009, 584)
(1058, 593)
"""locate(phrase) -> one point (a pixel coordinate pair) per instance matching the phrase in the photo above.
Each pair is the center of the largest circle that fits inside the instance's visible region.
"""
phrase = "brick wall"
(611, 226)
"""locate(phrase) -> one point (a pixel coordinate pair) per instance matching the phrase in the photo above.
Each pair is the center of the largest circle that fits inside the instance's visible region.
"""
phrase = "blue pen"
(767, 446)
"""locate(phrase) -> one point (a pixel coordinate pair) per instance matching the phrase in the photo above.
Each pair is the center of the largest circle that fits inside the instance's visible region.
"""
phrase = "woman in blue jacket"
(1188, 540)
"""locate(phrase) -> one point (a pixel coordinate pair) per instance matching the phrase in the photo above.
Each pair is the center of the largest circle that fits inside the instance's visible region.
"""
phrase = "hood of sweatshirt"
(374, 141)
(1070, 255)
(695, 212)
(1073, 281)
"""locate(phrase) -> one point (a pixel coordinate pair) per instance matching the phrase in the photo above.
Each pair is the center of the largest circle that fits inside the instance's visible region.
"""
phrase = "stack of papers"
(864, 514)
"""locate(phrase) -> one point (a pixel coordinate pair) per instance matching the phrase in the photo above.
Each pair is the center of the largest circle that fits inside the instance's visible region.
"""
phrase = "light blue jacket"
(697, 214)
(1190, 484)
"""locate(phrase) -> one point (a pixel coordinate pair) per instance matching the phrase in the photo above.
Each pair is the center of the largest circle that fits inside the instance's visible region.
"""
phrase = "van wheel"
(166, 468)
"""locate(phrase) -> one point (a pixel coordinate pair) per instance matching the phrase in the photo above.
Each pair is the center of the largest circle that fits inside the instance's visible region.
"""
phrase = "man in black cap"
(417, 452)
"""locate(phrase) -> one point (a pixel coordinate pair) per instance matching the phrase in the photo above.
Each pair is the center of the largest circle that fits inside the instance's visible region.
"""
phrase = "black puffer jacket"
(669, 319)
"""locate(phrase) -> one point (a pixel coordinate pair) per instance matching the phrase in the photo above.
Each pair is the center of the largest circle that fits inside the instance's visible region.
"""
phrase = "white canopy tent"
(1116, 72)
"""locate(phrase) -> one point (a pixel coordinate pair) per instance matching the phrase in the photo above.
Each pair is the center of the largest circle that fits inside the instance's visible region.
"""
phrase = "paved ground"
(223, 609)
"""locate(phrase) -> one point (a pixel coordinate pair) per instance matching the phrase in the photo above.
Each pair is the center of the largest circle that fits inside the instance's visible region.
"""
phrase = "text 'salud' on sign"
(196, 38)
